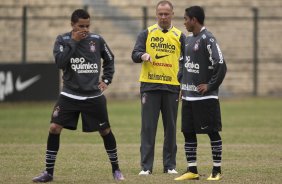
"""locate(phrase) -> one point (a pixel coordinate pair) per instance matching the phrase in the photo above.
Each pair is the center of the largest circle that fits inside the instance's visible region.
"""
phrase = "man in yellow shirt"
(159, 48)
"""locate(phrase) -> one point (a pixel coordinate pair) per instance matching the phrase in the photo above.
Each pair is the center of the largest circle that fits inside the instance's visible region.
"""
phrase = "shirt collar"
(202, 28)
(163, 29)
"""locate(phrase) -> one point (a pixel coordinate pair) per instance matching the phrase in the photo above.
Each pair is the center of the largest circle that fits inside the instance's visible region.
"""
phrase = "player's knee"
(55, 128)
(105, 132)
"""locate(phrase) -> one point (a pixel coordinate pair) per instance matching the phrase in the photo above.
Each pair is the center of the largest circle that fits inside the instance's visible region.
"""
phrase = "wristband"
(106, 81)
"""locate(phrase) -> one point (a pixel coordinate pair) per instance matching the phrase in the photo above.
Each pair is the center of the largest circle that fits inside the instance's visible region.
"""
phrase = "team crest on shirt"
(92, 46)
(61, 48)
(56, 111)
(196, 46)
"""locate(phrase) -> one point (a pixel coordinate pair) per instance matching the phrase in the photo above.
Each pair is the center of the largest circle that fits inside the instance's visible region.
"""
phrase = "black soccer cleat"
(43, 178)
(118, 176)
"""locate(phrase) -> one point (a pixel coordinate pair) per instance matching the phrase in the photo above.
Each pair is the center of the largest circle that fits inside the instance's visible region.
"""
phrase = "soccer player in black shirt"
(203, 70)
(78, 54)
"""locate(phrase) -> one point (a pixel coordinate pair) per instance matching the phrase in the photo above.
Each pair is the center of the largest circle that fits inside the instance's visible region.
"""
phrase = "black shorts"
(201, 117)
(93, 112)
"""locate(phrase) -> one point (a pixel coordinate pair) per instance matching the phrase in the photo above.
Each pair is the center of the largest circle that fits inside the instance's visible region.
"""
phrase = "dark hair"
(165, 2)
(79, 14)
(197, 12)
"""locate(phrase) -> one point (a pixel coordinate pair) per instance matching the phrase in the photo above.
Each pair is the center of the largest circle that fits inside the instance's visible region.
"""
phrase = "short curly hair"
(79, 14)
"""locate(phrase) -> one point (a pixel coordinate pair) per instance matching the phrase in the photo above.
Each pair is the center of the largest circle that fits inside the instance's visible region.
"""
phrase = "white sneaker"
(172, 171)
(144, 173)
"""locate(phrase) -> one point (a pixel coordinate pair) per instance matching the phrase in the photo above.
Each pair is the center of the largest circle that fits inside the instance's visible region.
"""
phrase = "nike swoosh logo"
(159, 57)
(20, 86)
(101, 124)
(203, 128)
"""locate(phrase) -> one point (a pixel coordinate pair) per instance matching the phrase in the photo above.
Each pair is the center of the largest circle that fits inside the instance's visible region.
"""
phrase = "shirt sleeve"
(108, 62)
(140, 47)
(63, 51)
(218, 63)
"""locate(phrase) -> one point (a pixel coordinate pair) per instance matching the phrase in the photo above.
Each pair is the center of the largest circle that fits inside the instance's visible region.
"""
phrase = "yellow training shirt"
(164, 49)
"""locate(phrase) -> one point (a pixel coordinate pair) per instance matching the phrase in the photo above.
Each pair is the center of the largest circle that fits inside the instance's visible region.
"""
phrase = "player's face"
(81, 25)
(189, 23)
(164, 15)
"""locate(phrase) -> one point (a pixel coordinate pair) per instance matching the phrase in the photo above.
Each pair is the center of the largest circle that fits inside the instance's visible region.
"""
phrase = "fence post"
(145, 16)
(255, 52)
(24, 34)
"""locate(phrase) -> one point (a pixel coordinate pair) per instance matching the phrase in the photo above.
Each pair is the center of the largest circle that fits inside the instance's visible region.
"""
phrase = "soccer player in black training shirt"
(78, 54)
(203, 70)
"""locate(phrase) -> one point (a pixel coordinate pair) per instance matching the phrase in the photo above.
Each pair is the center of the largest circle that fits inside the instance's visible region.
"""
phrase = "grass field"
(252, 149)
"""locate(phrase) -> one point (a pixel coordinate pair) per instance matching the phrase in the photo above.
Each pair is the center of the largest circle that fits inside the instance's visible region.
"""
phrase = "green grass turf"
(252, 149)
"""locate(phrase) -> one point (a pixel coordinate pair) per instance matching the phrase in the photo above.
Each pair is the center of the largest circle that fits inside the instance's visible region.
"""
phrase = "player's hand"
(78, 35)
(146, 57)
(202, 88)
(102, 86)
